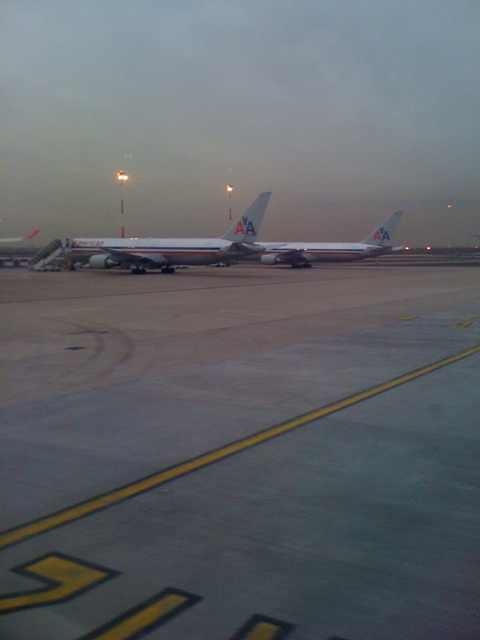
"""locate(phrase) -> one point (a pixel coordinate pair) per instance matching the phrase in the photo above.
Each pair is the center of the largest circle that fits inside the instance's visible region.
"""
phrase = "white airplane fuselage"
(28, 236)
(161, 251)
(320, 251)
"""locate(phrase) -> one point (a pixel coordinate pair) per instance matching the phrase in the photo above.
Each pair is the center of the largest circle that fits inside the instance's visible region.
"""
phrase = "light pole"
(229, 188)
(122, 178)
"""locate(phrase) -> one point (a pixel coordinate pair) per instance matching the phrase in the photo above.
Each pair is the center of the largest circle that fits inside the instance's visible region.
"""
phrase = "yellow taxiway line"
(145, 617)
(63, 578)
(111, 498)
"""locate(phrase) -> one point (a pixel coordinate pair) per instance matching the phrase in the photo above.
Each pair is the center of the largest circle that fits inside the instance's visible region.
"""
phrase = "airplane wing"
(244, 248)
(294, 256)
(125, 257)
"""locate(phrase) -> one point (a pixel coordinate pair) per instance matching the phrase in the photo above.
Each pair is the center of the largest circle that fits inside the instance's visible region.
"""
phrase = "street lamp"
(122, 178)
(229, 188)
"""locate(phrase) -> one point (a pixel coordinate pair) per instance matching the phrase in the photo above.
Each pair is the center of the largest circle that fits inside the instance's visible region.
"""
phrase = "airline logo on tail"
(245, 227)
(381, 235)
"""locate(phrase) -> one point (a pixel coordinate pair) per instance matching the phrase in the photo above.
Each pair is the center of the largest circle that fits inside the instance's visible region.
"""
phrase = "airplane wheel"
(307, 265)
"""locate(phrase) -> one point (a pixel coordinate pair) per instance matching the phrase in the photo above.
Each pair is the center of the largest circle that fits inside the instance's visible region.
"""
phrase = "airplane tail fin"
(247, 228)
(383, 235)
(34, 232)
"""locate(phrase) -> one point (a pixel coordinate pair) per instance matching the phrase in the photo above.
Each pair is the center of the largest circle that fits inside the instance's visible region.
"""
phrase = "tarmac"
(241, 453)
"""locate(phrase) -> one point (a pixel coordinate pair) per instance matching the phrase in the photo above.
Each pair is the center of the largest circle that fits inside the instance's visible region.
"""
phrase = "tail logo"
(245, 227)
(381, 234)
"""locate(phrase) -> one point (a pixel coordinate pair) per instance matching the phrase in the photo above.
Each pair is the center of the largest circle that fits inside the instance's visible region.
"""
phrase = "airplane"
(29, 236)
(302, 254)
(140, 254)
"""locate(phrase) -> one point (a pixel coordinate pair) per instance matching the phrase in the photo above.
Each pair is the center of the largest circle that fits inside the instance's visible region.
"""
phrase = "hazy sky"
(346, 110)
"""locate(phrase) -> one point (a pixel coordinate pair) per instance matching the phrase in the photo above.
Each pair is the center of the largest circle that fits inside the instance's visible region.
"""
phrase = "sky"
(345, 110)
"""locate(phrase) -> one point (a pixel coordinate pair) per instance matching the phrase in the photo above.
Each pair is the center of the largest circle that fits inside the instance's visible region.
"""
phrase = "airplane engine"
(101, 261)
(270, 258)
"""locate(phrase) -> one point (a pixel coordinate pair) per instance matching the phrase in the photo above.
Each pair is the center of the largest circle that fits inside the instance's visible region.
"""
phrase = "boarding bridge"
(48, 255)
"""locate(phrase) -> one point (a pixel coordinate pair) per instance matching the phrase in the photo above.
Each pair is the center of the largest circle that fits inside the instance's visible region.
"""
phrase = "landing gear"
(301, 265)
(137, 270)
(168, 269)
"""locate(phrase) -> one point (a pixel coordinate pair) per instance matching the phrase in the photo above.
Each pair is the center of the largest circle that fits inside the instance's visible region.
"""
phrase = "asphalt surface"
(237, 453)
